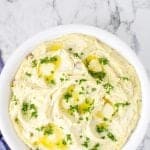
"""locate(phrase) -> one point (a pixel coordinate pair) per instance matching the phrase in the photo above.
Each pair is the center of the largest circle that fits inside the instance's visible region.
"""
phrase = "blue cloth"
(3, 145)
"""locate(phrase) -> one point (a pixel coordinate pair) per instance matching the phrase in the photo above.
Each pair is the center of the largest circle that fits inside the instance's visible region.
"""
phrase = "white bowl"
(15, 60)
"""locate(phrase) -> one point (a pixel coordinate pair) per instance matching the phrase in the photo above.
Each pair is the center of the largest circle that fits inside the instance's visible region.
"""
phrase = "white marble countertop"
(129, 19)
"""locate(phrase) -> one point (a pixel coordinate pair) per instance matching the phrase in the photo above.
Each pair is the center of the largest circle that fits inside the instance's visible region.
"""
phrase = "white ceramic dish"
(13, 63)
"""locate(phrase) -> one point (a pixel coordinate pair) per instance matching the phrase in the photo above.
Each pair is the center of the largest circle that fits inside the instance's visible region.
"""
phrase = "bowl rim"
(16, 58)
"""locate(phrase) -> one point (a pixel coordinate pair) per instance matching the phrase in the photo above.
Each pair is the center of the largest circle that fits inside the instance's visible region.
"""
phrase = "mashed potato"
(75, 93)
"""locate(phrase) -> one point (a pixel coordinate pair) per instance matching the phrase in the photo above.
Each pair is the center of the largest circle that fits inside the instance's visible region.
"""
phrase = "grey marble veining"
(128, 19)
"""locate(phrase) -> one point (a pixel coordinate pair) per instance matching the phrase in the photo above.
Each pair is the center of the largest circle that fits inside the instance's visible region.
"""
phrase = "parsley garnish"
(100, 129)
(98, 75)
(76, 55)
(124, 78)
(93, 89)
(103, 61)
(122, 104)
(47, 130)
(111, 136)
(82, 80)
(70, 49)
(34, 63)
(95, 147)
(67, 96)
(86, 142)
(108, 87)
(28, 74)
(69, 139)
(73, 108)
(118, 105)
(29, 110)
(48, 60)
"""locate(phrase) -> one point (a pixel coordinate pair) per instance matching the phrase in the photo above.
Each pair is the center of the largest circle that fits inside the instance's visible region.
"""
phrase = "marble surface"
(128, 19)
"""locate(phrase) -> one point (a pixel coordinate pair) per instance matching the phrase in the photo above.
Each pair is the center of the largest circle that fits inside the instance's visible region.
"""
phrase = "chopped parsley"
(124, 78)
(82, 80)
(34, 63)
(111, 136)
(28, 74)
(47, 130)
(118, 105)
(29, 110)
(69, 139)
(52, 82)
(16, 120)
(108, 87)
(95, 147)
(103, 61)
(14, 98)
(62, 79)
(70, 49)
(73, 109)
(122, 104)
(101, 129)
(65, 77)
(67, 96)
(86, 142)
(25, 107)
(64, 142)
(49, 81)
(93, 89)
(46, 60)
(105, 119)
(98, 75)
(76, 55)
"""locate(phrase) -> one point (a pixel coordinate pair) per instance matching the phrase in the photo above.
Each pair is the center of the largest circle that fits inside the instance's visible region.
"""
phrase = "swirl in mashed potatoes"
(75, 93)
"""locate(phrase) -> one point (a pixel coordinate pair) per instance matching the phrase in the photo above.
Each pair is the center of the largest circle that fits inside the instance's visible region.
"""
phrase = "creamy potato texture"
(75, 93)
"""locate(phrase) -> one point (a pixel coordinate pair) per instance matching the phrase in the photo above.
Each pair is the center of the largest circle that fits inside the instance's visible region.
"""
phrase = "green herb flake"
(46, 60)
(31, 134)
(52, 82)
(108, 87)
(34, 63)
(67, 96)
(29, 110)
(25, 107)
(69, 49)
(69, 139)
(68, 136)
(86, 142)
(101, 129)
(76, 55)
(111, 136)
(118, 105)
(28, 74)
(93, 89)
(16, 120)
(105, 119)
(96, 147)
(124, 78)
(73, 109)
(47, 130)
(98, 75)
(82, 80)
(62, 79)
(64, 142)
(103, 61)
(122, 104)
(14, 99)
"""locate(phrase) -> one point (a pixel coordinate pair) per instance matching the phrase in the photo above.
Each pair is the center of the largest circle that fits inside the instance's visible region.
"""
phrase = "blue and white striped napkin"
(3, 144)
